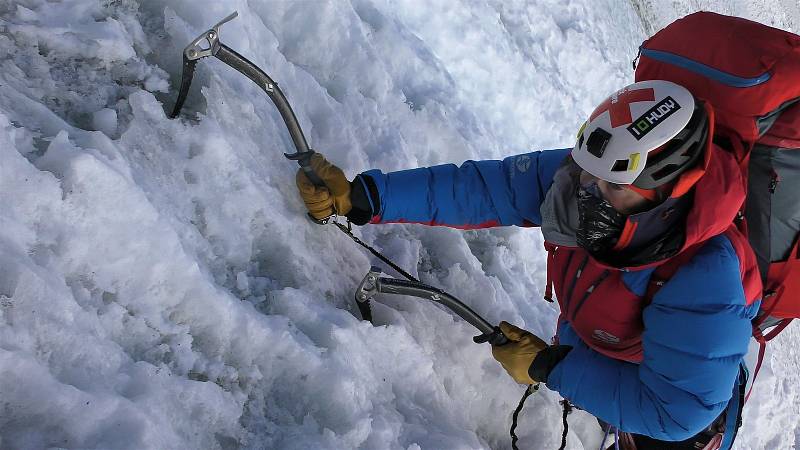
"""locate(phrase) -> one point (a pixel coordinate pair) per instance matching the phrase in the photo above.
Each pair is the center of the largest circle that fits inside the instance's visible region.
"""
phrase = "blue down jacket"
(696, 330)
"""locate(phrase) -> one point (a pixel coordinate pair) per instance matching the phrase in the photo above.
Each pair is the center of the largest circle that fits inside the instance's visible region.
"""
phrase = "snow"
(160, 285)
(105, 120)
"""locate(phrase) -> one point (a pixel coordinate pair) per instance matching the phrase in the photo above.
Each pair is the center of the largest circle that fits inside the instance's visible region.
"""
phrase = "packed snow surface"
(160, 285)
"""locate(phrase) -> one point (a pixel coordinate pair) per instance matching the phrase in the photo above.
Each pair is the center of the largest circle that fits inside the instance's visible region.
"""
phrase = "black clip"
(495, 337)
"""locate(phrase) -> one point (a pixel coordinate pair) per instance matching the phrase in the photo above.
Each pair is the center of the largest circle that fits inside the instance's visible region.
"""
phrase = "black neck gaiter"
(661, 233)
(599, 224)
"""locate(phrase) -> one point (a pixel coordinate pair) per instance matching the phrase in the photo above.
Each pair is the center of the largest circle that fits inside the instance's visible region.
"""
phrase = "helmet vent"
(665, 171)
(620, 165)
(597, 142)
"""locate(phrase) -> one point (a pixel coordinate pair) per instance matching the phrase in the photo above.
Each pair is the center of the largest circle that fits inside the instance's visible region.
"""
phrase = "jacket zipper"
(703, 69)
(576, 278)
(589, 291)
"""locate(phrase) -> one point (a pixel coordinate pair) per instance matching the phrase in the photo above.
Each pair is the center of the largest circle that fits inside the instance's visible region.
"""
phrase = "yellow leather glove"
(324, 201)
(518, 354)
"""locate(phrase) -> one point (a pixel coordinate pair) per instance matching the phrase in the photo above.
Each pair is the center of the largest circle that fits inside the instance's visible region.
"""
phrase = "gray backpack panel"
(773, 203)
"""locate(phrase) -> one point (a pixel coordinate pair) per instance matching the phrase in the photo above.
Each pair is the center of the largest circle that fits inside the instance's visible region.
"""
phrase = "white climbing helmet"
(645, 134)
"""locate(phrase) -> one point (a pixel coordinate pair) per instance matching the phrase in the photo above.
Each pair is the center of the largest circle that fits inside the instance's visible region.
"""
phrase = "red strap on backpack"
(783, 278)
(551, 264)
(783, 286)
(665, 271)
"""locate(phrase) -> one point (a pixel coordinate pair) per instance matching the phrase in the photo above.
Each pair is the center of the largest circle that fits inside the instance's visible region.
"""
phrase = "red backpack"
(750, 74)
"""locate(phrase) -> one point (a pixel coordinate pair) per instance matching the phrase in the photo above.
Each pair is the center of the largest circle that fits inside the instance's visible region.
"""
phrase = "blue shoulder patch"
(711, 278)
(636, 280)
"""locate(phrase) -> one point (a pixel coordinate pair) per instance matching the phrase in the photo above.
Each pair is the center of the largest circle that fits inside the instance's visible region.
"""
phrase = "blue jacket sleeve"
(478, 194)
(697, 331)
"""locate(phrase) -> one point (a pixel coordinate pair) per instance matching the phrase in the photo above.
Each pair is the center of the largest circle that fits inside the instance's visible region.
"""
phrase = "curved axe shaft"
(373, 284)
(195, 51)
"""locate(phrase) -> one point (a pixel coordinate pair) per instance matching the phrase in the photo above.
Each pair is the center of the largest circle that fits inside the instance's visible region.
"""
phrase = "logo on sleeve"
(652, 117)
(523, 163)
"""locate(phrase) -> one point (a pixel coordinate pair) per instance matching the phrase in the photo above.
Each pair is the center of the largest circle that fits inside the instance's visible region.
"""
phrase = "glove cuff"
(364, 197)
(546, 360)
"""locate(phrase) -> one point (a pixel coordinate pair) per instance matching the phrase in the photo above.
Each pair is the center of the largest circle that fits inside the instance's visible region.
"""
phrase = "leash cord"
(528, 391)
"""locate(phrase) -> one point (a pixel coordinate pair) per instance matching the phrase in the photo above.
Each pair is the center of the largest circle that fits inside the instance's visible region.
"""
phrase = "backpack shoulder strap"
(665, 271)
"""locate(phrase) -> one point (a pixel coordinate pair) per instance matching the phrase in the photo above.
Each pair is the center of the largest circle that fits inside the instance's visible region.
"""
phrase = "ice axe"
(195, 51)
(373, 284)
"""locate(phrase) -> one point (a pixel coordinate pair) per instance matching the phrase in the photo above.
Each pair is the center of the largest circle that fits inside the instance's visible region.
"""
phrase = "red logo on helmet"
(618, 105)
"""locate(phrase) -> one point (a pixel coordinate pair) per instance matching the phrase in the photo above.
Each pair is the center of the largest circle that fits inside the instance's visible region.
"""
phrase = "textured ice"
(160, 285)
